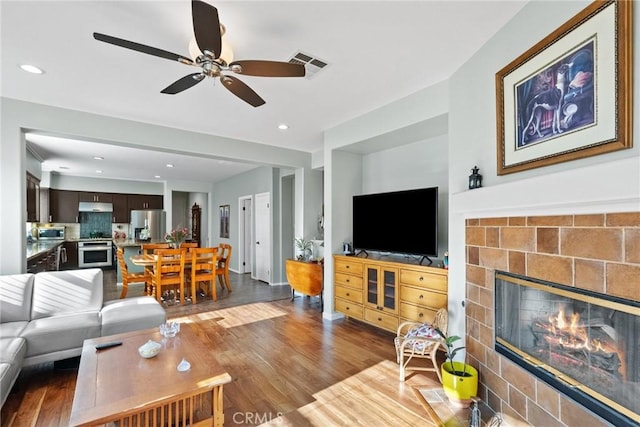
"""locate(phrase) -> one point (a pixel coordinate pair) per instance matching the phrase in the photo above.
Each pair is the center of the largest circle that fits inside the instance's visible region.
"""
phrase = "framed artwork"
(224, 221)
(570, 95)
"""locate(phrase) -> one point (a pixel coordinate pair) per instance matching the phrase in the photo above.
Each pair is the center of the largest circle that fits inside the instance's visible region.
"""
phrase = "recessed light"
(283, 126)
(31, 69)
(98, 171)
(63, 167)
(157, 176)
(98, 158)
(169, 165)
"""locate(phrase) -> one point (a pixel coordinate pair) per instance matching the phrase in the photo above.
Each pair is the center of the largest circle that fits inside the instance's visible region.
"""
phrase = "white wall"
(420, 164)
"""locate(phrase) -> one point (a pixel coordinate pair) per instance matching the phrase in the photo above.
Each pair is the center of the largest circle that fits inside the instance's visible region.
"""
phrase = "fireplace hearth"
(583, 343)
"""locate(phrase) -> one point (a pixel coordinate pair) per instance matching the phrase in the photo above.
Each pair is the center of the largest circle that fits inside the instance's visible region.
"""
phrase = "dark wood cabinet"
(85, 196)
(195, 223)
(33, 198)
(72, 256)
(63, 206)
(144, 201)
(120, 208)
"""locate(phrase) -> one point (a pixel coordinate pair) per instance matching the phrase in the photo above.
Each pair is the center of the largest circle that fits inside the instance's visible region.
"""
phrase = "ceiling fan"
(206, 28)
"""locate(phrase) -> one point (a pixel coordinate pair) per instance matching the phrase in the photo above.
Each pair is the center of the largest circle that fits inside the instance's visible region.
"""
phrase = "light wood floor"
(289, 367)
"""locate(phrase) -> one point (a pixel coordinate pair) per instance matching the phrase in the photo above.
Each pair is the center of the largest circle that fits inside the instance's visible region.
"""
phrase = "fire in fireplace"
(585, 344)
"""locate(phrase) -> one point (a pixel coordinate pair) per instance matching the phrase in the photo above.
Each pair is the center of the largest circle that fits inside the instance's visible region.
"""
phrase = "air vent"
(311, 64)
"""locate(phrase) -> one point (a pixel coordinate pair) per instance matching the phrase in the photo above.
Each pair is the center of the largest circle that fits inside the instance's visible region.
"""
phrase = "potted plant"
(304, 246)
(459, 379)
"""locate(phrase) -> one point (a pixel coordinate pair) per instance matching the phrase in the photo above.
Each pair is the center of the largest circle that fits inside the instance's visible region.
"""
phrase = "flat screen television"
(404, 222)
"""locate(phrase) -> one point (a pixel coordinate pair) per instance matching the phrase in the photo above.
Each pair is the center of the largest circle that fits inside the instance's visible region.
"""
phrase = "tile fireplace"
(583, 343)
(590, 255)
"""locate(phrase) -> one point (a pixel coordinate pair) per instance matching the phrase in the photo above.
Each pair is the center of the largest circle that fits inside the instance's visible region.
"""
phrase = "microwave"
(50, 233)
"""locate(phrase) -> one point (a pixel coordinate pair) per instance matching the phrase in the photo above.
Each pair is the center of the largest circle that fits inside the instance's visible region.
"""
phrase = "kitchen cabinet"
(72, 256)
(63, 206)
(85, 196)
(120, 208)
(144, 201)
(33, 198)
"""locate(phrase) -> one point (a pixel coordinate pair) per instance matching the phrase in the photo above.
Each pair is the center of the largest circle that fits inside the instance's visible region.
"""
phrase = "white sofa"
(47, 316)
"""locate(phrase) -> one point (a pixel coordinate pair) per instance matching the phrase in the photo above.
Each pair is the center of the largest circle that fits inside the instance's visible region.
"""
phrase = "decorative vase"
(459, 389)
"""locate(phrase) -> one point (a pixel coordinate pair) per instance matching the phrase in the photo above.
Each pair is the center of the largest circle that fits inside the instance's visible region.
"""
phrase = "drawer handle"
(348, 294)
(420, 315)
(347, 308)
(421, 296)
(379, 319)
(347, 280)
(347, 266)
(421, 278)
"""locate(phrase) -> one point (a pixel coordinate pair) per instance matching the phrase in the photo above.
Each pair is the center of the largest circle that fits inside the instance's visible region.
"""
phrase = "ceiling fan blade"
(184, 83)
(206, 27)
(268, 68)
(241, 90)
(142, 48)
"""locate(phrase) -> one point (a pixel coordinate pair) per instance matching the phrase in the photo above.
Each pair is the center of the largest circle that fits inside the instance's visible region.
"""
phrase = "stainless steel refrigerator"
(152, 220)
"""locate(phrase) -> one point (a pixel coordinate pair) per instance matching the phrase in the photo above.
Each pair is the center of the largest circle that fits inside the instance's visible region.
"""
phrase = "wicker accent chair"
(131, 277)
(420, 340)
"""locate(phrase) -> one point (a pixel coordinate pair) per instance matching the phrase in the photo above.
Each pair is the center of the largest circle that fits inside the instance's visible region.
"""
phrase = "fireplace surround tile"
(518, 238)
(596, 220)
(546, 406)
(548, 240)
(631, 247)
(592, 243)
(549, 267)
(590, 275)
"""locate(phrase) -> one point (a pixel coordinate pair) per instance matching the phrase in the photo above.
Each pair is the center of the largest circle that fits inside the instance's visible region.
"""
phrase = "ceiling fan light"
(226, 55)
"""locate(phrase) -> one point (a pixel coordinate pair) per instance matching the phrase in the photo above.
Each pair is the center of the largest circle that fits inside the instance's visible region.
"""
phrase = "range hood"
(95, 207)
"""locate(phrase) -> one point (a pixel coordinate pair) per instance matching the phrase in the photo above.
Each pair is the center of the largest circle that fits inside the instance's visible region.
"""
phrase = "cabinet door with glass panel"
(381, 288)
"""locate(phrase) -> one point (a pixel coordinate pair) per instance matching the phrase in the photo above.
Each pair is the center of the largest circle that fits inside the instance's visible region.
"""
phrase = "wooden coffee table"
(117, 384)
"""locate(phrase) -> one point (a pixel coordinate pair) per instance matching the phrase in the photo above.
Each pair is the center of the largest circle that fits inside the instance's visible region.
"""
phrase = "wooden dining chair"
(203, 269)
(224, 257)
(169, 270)
(148, 248)
(131, 277)
(188, 245)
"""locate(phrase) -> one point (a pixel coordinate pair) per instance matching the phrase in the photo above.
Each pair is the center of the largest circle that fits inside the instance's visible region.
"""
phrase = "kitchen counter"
(38, 248)
(129, 243)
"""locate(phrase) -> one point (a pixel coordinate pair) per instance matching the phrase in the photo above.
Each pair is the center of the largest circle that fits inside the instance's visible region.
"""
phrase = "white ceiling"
(378, 52)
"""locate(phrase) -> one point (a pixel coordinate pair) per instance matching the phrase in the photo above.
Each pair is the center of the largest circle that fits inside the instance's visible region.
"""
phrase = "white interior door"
(263, 236)
(245, 219)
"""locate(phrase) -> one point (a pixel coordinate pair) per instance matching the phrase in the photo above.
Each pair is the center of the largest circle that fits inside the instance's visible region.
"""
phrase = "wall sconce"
(475, 179)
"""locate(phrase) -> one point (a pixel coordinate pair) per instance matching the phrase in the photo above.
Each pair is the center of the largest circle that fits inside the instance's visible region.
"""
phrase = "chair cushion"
(424, 330)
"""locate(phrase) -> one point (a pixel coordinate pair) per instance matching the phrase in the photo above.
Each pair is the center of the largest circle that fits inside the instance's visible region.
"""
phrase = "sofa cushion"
(12, 329)
(51, 334)
(15, 297)
(12, 354)
(12, 350)
(131, 314)
(65, 292)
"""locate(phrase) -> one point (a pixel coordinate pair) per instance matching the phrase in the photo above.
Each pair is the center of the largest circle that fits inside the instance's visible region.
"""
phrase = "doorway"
(245, 235)
(263, 236)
